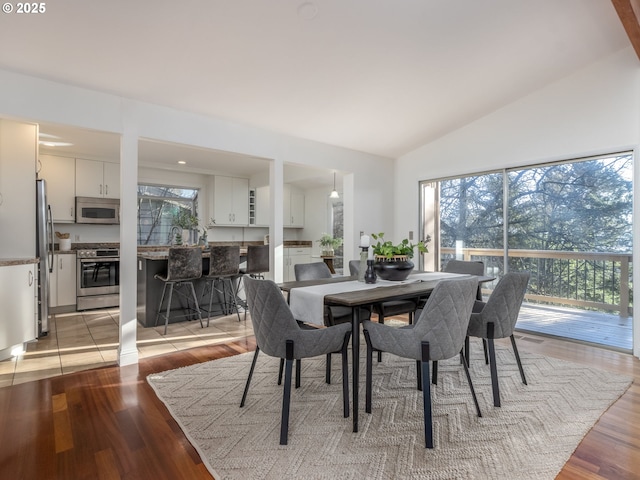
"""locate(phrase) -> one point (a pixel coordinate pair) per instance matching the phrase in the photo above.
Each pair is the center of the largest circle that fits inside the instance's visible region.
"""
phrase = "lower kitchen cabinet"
(292, 257)
(18, 299)
(62, 283)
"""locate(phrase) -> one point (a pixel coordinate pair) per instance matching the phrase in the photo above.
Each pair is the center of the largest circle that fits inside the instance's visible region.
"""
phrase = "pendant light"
(334, 192)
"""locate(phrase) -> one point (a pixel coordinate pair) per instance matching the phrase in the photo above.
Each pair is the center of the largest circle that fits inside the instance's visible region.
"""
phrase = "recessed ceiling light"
(182, 162)
(51, 140)
(308, 10)
(47, 143)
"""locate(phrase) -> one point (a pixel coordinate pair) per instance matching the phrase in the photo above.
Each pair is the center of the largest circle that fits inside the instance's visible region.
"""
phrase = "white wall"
(594, 111)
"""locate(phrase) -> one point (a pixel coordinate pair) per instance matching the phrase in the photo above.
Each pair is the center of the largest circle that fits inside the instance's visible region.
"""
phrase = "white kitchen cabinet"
(18, 156)
(62, 282)
(97, 179)
(262, 206)
(60, 176)
(292, 257)
(230, 201)
(292, 204)
(18, 299)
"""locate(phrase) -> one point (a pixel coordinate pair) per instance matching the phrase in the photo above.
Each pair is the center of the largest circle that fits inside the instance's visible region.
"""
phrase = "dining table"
(349, 292)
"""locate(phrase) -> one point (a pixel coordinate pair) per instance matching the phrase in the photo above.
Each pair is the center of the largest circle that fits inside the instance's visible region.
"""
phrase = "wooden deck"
(592, 327)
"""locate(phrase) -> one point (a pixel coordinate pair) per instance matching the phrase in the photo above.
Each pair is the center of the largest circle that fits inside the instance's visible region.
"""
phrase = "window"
(157, 206)
(336, 219)
(568, 223)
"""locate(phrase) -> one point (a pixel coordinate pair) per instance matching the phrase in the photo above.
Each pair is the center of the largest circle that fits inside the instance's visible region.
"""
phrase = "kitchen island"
(153, 261)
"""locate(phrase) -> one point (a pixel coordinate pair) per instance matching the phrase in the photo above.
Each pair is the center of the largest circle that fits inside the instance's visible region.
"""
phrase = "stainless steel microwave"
(105, 211)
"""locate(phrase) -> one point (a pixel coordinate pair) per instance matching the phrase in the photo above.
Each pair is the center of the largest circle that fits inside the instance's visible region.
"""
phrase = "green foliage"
(185, 219)
(385, 248)
(327, 240)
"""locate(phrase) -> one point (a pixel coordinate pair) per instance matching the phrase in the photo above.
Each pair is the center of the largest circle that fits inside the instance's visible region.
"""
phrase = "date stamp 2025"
(24, 8)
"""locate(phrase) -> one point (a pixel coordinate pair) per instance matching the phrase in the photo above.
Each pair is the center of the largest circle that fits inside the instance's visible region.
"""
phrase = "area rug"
(530, 437)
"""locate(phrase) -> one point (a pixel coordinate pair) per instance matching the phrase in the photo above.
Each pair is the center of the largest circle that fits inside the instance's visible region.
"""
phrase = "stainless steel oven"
(98, 278)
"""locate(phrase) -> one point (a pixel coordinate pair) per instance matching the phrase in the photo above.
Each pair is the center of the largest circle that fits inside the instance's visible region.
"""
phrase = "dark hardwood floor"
(107, 423)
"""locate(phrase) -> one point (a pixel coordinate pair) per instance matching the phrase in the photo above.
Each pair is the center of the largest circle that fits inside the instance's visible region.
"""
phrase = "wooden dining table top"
(373, 295)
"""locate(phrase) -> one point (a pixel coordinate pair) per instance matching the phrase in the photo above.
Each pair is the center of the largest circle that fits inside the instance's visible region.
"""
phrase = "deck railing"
(589, 280)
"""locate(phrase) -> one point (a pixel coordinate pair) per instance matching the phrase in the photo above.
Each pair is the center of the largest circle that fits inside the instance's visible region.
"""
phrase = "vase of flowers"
(328, 245)
(393, 261)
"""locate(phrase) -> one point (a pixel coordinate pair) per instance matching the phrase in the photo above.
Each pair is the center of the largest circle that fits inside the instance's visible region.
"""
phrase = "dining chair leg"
(515, 351)
(369, 373)
(467, 350)
(298, 372)
(434, 375)
(380, 320)
(486, 351)
(212, 289)
(286, 396)
(473, 390)
(280, 371)
(419, 374)
(253, 366)
(327, 370)
(426, 397)
(345, 375)
(492, 365)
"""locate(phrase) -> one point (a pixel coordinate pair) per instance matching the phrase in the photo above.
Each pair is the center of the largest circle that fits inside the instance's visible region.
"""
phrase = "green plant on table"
(385, 249)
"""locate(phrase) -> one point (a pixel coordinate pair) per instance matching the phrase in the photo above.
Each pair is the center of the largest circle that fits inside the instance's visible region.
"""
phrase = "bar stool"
(257, 261)
(184, 265)
(224, 266)
(257, 264)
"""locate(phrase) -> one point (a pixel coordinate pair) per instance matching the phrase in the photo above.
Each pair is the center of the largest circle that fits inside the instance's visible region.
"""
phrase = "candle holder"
(370, 275)
(364, 255)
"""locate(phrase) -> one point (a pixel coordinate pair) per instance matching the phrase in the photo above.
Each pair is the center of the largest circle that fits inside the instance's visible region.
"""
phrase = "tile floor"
(83, 340)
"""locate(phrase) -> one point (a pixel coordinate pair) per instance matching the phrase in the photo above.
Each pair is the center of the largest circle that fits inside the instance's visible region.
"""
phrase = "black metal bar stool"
(256, 265)
(224, 266)
(184, 265)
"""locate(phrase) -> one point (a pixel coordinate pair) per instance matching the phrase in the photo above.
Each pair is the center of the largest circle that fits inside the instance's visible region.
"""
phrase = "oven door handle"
(98, 259)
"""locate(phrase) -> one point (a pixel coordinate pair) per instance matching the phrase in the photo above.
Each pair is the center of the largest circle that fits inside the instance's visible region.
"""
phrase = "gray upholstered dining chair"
(468, 267)
(279, 335)
(497, 319)
(224, 266)
(184, 266)
(437, 334)
(317, 271)
(390, 308)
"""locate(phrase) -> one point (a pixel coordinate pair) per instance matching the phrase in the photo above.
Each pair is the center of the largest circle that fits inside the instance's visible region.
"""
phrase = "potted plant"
(328, 244)
(393, 260)
(187, 221)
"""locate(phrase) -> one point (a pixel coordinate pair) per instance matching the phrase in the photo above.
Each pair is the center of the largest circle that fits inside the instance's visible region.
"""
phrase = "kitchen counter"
(8, 262)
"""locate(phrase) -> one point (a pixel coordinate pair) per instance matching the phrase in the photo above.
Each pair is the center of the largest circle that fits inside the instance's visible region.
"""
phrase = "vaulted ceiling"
(371, 75)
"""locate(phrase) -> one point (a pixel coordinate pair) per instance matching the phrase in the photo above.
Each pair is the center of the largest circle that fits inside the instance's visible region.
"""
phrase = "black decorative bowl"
(393, 269)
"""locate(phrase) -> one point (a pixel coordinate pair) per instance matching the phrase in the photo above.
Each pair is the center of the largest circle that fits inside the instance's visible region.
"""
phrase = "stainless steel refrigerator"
(44, 251)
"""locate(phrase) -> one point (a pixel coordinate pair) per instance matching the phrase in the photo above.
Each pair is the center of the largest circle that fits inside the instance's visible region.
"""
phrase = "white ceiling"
(378, 76)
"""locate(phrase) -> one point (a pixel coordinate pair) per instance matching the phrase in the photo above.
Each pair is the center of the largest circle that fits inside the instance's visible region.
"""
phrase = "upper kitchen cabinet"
(18, 155)
(230, 201)
(97, 179)
(293, 202)
(60, 175)
(293, 205)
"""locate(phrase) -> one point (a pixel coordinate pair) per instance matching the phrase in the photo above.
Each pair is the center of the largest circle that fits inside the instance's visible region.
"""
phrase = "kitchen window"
(157, 206)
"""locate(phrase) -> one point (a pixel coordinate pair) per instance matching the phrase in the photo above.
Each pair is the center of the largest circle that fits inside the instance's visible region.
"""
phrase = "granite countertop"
(8, 262)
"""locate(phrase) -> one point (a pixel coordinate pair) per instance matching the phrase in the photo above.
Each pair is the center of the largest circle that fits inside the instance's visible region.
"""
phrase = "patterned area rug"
(530, 437)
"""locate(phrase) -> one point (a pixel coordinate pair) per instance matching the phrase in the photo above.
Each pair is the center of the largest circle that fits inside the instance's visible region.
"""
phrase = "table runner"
(307, 303)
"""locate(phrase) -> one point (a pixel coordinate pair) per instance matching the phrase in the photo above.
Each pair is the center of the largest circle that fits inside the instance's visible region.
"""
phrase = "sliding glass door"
(569, 224)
